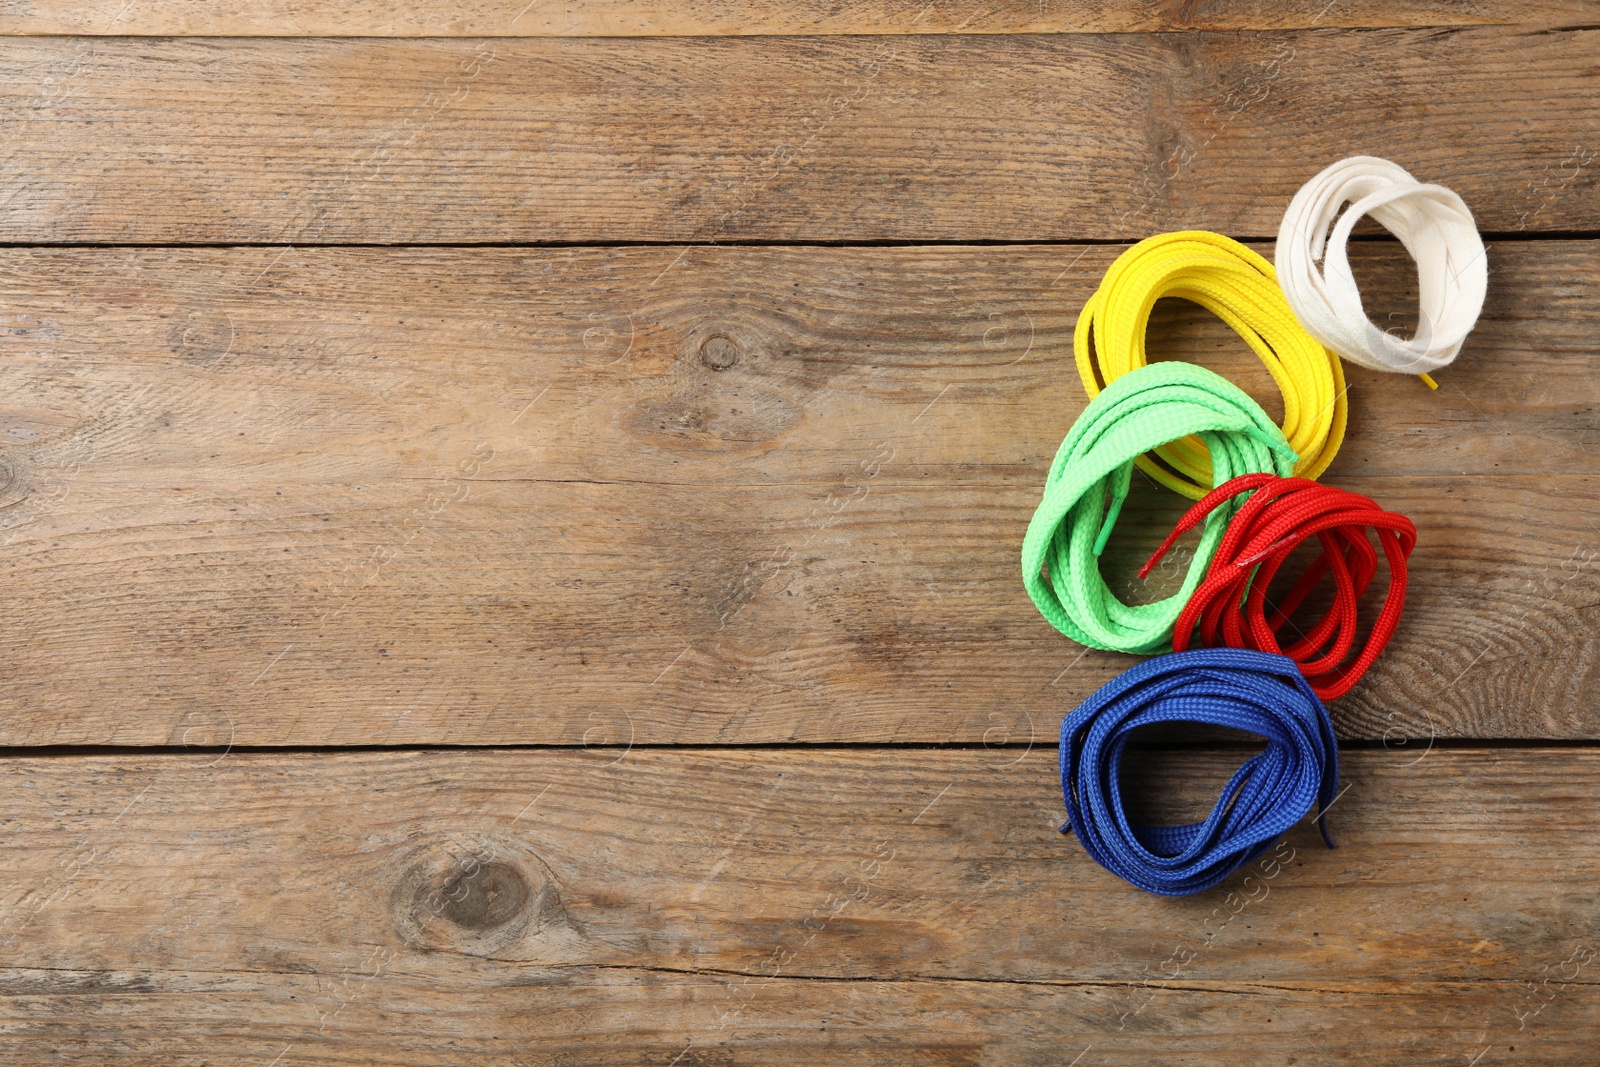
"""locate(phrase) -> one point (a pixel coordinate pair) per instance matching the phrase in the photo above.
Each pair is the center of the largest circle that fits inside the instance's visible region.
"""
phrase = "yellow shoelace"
(1240, 288)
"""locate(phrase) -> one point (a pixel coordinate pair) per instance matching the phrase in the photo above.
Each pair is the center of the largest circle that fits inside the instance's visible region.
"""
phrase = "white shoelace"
(1437, 230)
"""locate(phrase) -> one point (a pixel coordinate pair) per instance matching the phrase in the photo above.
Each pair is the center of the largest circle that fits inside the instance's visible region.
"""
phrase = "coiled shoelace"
(1438, 232)
(1229, 607)
(1240, 288)
(1089, 480)
(1245, 690)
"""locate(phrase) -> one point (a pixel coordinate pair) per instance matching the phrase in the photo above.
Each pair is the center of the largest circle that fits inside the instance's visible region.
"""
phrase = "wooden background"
(509, 520)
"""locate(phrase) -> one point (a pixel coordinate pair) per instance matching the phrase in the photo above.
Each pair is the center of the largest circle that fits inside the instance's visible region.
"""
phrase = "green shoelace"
(1149, 406)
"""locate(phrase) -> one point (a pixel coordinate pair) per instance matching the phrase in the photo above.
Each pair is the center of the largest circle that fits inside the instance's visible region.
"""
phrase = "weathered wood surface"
(757, 906)
(546, 612)
(493, 496)
(658, 18)
(623, 497)
(137, 140)
(695, 366)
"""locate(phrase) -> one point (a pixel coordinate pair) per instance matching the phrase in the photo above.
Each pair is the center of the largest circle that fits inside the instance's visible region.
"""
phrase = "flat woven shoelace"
(1090, 478)
(1240, 288)
(1271, 792)
(1229, 607)
(1438, 232)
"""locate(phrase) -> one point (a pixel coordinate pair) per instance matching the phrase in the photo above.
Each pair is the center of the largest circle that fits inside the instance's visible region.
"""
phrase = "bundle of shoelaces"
(1238, 659)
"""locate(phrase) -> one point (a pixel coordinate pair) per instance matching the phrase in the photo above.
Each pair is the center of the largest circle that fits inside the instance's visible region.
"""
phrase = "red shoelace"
(1229, 607)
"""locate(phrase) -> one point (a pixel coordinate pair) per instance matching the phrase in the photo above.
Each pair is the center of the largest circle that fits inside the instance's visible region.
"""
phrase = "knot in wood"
(719, 352)
(471, 892)
(483, 896)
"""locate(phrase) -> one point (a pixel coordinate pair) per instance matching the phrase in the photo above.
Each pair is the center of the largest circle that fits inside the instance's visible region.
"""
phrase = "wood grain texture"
(493, 496)
(553, 612)
(755, 906)
(137, 140)
(655, 18)
(621, 499)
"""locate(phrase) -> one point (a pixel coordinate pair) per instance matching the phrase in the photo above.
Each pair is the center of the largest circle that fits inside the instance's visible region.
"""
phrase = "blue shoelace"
(1258, 692)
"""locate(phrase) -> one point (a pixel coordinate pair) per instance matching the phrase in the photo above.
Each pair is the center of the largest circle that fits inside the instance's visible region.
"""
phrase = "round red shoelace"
(1229, 607)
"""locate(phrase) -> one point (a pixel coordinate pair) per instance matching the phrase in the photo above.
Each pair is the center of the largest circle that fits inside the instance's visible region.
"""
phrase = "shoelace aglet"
(1251, 561)
(1121, 484)
(1322, 825)
(1428, 381)
(1172, 538)
(1192, 518)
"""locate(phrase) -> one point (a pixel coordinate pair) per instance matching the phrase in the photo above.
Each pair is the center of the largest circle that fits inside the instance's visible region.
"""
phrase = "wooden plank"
(139, 140)
(687, 365)
(654, 18)
(491, 496)
(779, 906)
(494, 611)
